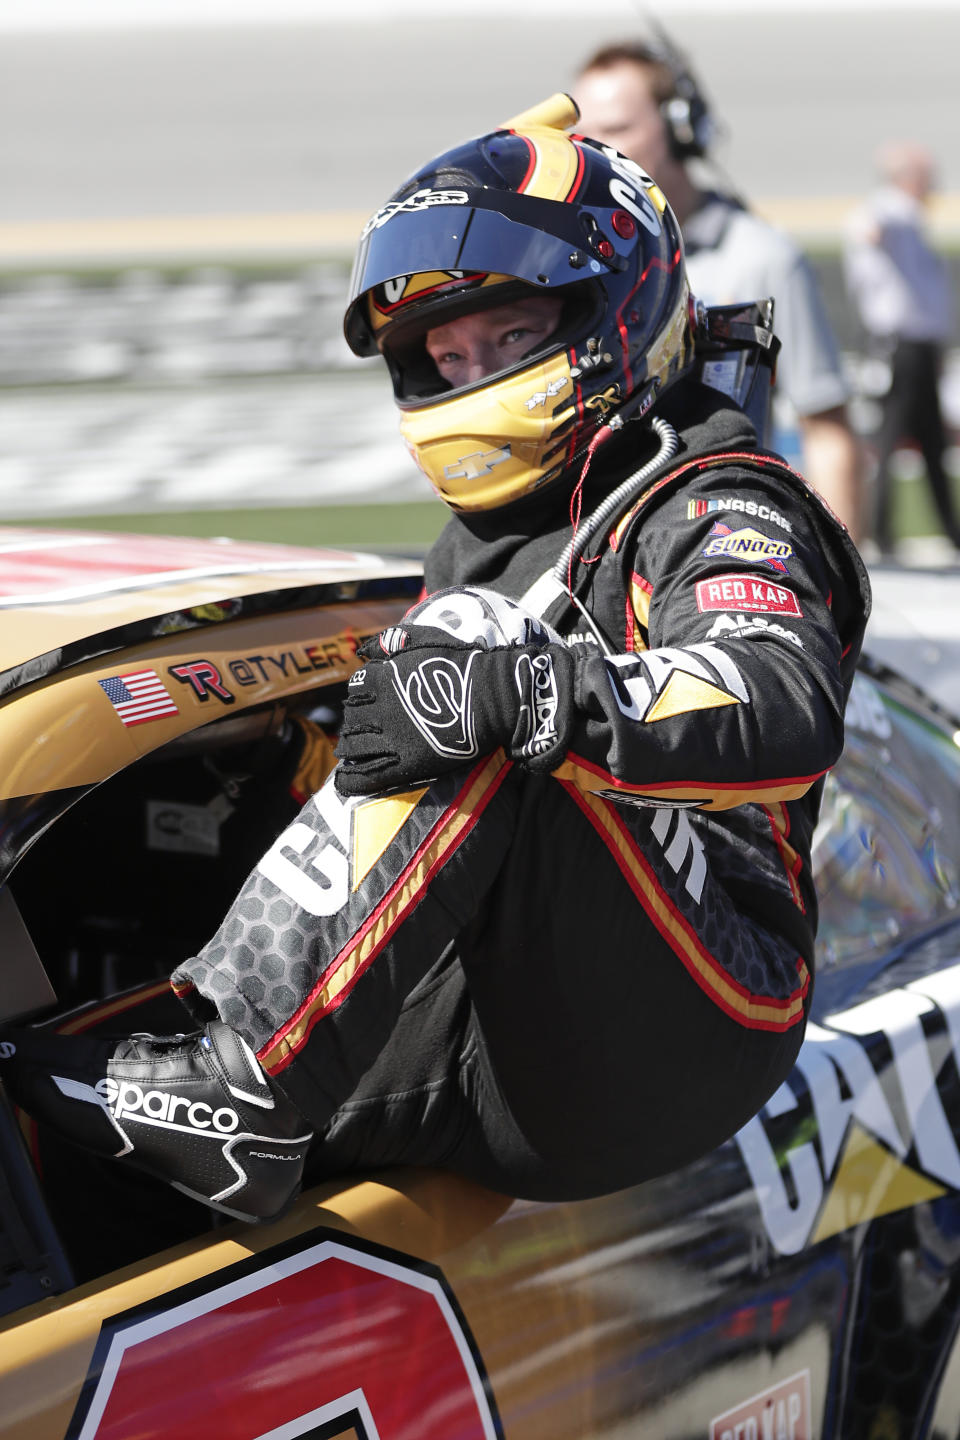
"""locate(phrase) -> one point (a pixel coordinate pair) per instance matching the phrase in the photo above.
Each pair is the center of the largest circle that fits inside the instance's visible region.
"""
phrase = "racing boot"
(194, 1110)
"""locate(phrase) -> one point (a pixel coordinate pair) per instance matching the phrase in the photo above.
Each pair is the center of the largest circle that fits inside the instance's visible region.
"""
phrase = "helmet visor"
(541, 242)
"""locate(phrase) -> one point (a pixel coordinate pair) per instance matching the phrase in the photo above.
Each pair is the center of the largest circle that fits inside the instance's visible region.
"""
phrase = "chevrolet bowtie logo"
(481, 462)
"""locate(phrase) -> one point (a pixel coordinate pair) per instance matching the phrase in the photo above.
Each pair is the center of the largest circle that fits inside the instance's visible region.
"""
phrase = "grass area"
(913, 513)
(409, 527)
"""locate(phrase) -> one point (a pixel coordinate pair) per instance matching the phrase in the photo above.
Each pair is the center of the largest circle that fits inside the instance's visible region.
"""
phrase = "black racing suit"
(562, 984)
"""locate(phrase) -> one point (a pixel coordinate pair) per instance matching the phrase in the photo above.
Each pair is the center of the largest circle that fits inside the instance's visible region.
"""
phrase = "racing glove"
(424, 703)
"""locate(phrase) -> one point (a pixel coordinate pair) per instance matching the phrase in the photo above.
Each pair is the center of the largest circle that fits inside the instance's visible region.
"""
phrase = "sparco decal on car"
(747, 544)
(868, 1081)
(337, 1339)
(746, 592)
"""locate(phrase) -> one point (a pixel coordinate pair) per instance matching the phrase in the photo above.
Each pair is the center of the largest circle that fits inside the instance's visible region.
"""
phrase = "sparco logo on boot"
(436, 696)
(127, 1100)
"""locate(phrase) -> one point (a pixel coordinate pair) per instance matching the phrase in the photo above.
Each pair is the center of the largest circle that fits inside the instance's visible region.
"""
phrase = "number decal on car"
(335, 1339)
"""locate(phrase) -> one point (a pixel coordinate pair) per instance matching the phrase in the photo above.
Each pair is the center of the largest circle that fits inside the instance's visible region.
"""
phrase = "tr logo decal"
(204, 680)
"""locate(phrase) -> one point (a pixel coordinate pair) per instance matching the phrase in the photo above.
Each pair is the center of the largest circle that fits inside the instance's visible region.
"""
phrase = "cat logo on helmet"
(546, 213)
(471, 467)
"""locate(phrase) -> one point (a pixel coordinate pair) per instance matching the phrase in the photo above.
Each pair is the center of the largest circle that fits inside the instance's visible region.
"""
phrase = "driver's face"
(472, 346)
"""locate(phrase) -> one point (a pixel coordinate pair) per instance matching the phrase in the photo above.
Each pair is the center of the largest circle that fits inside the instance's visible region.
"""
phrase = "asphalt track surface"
(284, 136)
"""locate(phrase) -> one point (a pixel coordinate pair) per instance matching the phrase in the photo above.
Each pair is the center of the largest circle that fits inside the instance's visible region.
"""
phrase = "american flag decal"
(138, 697)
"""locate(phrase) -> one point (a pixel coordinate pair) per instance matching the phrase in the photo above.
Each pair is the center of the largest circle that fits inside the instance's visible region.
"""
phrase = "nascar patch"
(747, 544)
(746, 592)
(708, 505)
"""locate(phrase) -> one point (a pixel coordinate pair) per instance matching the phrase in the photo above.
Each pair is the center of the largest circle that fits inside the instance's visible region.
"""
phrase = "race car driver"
(550, 922)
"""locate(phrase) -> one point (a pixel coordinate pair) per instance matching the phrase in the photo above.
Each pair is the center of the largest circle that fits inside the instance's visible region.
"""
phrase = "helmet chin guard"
(525, 210)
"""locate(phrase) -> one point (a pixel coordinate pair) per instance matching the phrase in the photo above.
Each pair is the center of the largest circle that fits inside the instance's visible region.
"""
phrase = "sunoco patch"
(748, 544)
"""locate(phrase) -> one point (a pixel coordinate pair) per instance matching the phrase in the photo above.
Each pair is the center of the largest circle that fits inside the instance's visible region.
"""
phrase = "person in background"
(900, 288)
(643, 101)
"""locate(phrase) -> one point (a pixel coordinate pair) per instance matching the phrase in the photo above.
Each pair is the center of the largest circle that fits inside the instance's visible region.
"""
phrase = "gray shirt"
(733, 255)
(898, 283)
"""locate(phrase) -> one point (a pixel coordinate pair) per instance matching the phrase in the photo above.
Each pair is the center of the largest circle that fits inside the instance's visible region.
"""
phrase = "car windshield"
(887, 848)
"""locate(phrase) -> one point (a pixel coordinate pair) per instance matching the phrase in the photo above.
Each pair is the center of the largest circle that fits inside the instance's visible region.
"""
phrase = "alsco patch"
(748, 544)
(746, 592)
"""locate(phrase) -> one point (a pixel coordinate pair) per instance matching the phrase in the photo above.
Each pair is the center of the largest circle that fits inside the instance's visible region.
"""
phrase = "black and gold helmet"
(526, 210)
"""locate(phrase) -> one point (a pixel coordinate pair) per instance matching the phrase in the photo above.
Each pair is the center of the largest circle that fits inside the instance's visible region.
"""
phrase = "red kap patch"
(783, 1409)
(746, 592)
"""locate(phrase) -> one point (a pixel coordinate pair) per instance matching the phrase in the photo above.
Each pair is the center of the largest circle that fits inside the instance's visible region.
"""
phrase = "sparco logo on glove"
(539, 702)
(437, 697)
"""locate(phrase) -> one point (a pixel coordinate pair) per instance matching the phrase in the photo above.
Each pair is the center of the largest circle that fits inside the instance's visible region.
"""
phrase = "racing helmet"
(526, 210)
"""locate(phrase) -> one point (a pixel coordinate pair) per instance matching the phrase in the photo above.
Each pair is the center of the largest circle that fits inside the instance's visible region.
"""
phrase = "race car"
(165, 707)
